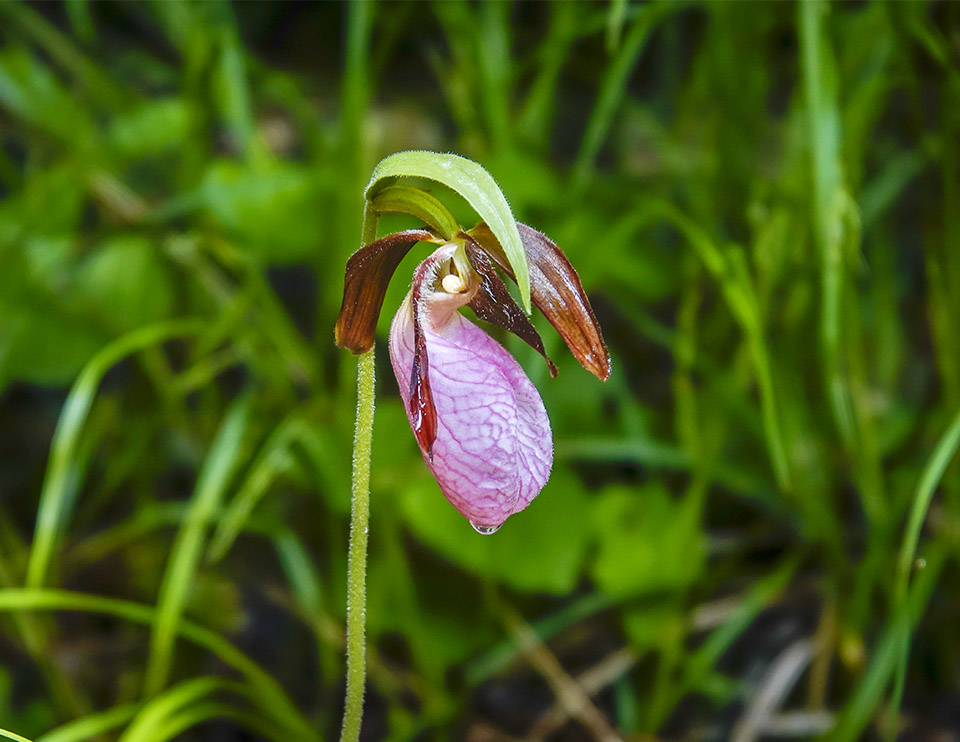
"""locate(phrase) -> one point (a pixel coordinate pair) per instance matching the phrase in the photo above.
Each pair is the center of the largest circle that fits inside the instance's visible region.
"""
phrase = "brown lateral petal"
(424, 422)
(422, 409)
(368, 272)
(557, 292)
(494, 304)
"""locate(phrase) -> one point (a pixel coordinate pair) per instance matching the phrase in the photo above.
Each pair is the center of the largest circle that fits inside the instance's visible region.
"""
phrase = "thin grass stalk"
(613, 89)
(269, 693)
(59, 481)
(932, 474)
(865, 699)
(218, 469)
(823, 132)
(93, 725)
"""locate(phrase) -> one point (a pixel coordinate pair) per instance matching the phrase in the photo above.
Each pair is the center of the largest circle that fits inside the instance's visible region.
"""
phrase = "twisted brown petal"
(494, 304)
(557, 292)
(369, 271)
(423, 412)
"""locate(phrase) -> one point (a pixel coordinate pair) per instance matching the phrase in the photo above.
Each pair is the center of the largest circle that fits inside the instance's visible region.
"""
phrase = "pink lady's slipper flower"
(479, 421)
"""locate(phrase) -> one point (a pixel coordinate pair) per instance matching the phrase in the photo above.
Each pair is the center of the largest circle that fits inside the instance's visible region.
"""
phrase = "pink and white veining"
(494, 449)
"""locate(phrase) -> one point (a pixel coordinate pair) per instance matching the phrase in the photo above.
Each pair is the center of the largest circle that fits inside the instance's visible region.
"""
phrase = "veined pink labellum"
(491, 449)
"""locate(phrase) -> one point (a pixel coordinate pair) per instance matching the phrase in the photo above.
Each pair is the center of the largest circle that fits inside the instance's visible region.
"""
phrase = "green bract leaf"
(415, 201)
(472, 182)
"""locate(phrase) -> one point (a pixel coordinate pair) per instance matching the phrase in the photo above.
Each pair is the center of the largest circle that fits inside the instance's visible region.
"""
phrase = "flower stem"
(359, 528)
(357, 555)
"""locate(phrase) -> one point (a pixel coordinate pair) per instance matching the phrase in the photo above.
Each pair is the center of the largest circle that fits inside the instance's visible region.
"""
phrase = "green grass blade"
(233, 94)
(932, 474)
(61, 48)
(616, 16)
(700, 662)
(535, 119)
(494, 64)
(731, 275)
(273, 458)
(472, 182)
(823, 132)
(614, 88)
(155, 713)
(13, 735)
(205, 711)
(217, 471)
(91, 726)
(300, 571)
(887, 654)
(60, 480)
(266, 690)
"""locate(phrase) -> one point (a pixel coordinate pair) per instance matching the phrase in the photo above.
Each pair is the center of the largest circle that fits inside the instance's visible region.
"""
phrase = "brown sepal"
(368, 272)
(556, 291)
(494, 304)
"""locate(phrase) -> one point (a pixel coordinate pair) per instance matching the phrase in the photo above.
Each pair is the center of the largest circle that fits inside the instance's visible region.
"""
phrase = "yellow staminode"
(453, 284)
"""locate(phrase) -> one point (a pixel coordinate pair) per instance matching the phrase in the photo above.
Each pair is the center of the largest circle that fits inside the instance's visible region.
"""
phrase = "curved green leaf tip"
(472, 182)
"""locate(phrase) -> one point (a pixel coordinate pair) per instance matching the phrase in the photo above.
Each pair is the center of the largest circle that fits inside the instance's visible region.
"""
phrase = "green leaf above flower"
(477, 187)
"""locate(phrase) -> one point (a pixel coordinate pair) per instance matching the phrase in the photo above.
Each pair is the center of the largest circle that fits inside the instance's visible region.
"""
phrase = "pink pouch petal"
(493, 450)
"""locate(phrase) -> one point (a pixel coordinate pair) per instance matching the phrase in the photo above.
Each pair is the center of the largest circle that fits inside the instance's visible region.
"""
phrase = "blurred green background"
(751, 530)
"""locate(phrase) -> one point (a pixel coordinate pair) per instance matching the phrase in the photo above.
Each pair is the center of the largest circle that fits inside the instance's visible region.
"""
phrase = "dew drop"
(484, 530)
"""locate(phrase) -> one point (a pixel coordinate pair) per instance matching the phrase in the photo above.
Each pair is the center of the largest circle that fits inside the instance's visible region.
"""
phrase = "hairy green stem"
(359, 527)
(357, 554)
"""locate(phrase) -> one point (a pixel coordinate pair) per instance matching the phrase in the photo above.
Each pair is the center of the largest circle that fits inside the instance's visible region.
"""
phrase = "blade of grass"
(616, 16)
(81, 21)
(823, 132)
(497, 658)
(614, 88)
(232, 91)
(658, 455)
(91, 726)
(59, 482)
(264, 687)
(538, 108)
(887, 653)
(13, 735)
(218, 469)
(698, 664)
(932, 474)
(730, 273)
(60, 47)
(171, 702)
(494, 63)
(273, 458)
(205, 711)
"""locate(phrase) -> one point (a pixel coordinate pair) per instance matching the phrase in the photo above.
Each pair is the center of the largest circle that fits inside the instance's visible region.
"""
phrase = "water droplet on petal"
(484, 530)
